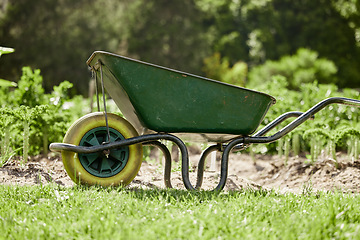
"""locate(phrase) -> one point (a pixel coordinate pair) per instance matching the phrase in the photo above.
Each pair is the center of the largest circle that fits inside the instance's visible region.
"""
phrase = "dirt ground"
(267, 172)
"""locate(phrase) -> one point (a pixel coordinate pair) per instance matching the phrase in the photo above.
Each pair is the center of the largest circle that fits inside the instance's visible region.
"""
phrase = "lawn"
(55, 212)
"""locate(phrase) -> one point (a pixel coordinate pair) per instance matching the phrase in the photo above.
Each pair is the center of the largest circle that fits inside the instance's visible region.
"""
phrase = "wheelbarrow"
(159, 103)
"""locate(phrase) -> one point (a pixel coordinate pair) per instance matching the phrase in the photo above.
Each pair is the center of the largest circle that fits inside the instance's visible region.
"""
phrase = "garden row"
(335, 128)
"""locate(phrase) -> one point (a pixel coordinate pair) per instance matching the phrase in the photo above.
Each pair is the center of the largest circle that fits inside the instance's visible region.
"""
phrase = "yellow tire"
(108, 168)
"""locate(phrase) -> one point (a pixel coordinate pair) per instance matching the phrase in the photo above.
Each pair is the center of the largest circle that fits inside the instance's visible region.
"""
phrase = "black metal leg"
(225, 161)
(167, 155)
(200, 169)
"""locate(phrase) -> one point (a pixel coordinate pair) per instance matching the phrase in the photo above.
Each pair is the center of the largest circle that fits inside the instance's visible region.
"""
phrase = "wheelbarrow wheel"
(108, 168)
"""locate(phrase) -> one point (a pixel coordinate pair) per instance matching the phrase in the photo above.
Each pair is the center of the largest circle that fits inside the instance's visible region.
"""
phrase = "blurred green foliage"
(219, 68)
(58, 36)
(303, 67)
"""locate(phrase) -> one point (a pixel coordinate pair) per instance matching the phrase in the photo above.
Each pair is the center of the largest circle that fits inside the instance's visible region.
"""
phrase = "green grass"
(53, 212)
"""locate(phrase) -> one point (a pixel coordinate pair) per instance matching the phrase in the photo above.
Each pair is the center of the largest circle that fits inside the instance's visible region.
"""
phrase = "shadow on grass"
(179, 194)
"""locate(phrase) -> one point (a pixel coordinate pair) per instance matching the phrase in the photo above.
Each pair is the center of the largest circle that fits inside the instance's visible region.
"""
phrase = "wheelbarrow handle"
(301, 119)
(277, 121)
(269, 127)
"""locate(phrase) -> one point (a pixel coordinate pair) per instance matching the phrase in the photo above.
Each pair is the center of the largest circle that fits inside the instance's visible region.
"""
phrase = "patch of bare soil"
(267, 172)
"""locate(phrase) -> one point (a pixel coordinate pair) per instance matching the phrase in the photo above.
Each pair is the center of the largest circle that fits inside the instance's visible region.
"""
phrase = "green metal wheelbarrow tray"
(159, 103)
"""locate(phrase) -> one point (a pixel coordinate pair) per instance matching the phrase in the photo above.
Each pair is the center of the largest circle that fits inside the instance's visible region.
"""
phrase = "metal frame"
(236, 144)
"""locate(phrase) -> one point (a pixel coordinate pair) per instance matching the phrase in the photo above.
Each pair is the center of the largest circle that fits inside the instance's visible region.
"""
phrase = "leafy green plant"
(56, 120)
(283, 147)
(6, 125)
(318, 138)
(280, 148)
(287, 149)
(219, 69)
(352, 138)
(296, 143)
(29, 91)
(303, 67)
(25, 115)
